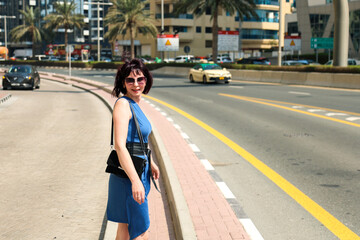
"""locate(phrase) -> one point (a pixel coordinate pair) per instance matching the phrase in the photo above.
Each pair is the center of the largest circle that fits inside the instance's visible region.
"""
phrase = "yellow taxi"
(209, 72)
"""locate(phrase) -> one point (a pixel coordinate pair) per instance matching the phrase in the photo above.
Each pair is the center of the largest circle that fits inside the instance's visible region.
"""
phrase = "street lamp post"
(5, 30)
(98, 26)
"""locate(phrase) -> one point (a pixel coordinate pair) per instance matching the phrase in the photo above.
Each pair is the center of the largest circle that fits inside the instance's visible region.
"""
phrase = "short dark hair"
(134, 65)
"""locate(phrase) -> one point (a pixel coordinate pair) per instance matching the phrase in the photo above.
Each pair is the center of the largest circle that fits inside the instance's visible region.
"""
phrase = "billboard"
(292, 43)
(228, 41)
(167, 42)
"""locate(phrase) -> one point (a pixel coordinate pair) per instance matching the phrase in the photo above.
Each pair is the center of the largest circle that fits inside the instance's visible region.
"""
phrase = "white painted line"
(336, 114)
(297, 106)
(207, 164)
(152, 105)
(177, 126)
(250, 228)
(194, 147)
(184, 135)
(164, 114)
(111, 229)
(236, 87)
(353, 118)
(98, 76)
(158, 109)
(300, 93)
(158, 79)
(225, 190)
(110, 76)
(315, 110)
(170, 119)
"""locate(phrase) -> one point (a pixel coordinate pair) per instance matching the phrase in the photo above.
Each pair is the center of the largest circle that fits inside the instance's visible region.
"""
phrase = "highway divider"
(336, 80)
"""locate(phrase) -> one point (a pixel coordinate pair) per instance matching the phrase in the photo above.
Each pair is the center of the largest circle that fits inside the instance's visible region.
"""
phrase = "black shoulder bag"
(135, 149)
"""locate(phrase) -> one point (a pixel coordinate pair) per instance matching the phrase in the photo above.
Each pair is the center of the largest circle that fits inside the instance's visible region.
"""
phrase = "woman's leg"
(122, 232)
(144, 236)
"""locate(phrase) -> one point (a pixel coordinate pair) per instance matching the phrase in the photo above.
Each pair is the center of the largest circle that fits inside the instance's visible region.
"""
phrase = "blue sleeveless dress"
(121, 206)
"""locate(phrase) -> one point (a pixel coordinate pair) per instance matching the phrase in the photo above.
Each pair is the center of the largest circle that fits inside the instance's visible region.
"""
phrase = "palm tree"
(31, 20)
(243, 7)
(129, 15)
(64, 17)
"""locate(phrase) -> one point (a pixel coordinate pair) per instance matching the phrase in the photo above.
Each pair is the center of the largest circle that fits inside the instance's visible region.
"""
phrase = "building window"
(318, 23)
(258, 34)
(180, 29)
(264, 16)
(292, 27)
(227, 29)
(208, 11)
(198, 29)
(208, 43)
(208, 30)
(166, 29)
(227, 13)
(354, 28)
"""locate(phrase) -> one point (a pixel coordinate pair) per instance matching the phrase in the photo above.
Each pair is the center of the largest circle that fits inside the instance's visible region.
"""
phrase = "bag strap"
(141, 142)
(143, 148)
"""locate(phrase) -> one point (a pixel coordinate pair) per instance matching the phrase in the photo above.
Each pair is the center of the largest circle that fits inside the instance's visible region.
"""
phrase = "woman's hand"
(155, 171)
(138, 191)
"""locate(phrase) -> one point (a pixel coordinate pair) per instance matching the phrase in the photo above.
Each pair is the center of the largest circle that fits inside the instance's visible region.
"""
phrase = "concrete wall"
(338, 80)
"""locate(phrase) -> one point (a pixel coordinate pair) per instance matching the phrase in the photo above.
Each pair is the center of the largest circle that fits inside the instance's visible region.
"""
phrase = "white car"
(350, 62)
(184, 58)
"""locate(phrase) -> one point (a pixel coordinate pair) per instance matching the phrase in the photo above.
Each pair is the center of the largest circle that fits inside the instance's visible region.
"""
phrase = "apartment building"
(93, 10)
(256, 35)
(315, 19)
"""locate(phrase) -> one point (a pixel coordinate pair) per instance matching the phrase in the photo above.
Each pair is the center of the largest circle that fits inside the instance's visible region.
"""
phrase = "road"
(52, 179)
(309, 137)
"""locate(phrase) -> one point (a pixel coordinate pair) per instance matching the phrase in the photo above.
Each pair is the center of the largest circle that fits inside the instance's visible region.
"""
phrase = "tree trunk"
(215, 35)
(132, 48)
(66, 43)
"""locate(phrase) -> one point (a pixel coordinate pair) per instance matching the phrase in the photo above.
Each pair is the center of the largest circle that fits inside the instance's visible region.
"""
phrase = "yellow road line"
(263, 101)
(329, 221)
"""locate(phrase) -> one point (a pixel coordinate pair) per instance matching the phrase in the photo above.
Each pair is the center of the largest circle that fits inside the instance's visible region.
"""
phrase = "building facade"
(93, 12)
(257, 36)
(315, 19)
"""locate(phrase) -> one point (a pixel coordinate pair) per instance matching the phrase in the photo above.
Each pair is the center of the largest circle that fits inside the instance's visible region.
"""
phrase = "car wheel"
(5, 88)
(204, 79)
(227, 82)
(38, 85)
(191, 78)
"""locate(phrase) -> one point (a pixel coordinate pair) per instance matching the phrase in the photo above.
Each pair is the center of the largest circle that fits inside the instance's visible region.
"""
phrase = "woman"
(127, 200)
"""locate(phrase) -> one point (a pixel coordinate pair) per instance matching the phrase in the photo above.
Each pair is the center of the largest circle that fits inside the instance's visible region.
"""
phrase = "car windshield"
(211, 67)
(20, 69)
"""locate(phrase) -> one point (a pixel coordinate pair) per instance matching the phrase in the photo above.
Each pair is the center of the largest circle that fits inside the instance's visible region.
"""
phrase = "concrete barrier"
(337, 80)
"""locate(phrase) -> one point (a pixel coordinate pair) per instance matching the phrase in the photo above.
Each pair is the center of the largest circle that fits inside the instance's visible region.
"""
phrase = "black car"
(21, 76)
(254, 60)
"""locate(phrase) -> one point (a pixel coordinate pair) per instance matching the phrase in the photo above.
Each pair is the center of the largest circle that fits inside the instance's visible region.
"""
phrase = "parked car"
(351, 62)
(209, 72)
(184, 58)
(21, 76)
(293, 63)
(254, 60)
(105, 59)
(50, 58)
(224, 59)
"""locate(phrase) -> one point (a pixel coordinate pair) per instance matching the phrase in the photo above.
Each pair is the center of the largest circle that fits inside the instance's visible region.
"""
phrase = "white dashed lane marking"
(300, 93)
(336, 114)
(352, 118)
(225, 190)
(207, 165)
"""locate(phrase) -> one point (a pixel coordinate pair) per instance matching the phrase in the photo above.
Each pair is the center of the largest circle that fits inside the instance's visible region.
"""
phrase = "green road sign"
(322, 43)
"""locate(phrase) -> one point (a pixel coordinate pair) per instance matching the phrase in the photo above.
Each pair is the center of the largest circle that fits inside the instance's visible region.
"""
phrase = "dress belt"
(134, 148)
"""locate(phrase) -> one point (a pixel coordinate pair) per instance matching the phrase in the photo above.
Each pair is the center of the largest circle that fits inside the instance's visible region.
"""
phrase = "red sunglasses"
(139, 80)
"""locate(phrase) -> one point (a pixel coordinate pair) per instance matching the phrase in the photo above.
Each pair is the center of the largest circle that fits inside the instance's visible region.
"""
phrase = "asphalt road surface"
(307, 138)
(52, 179)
